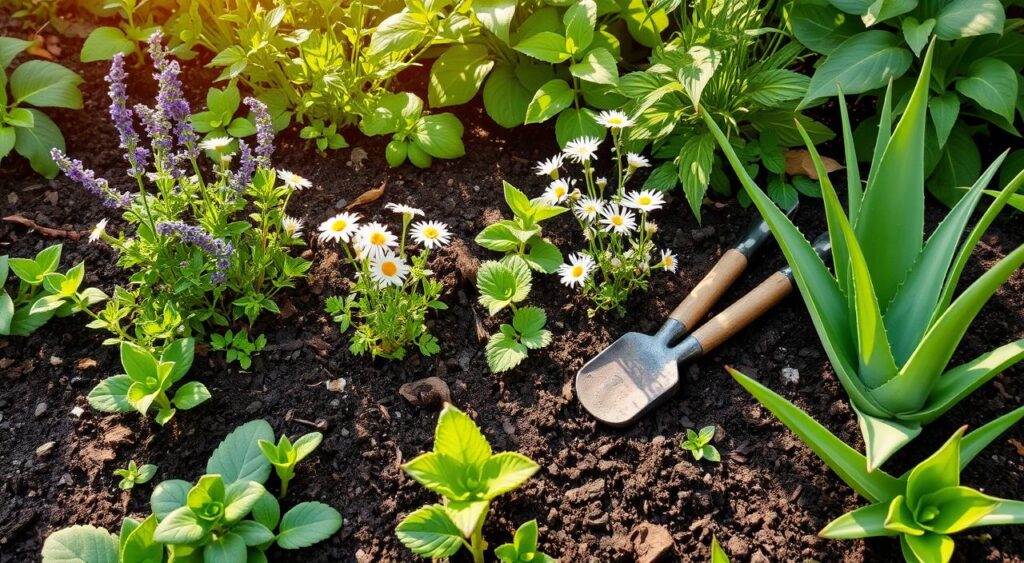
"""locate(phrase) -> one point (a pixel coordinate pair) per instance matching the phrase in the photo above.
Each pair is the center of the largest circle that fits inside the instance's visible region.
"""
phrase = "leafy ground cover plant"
(726, 59)
(134, 474)
(147, 380)
(285, 455)
(974, 76)
(699, 444)
(888, 318)
(394, 289)
(202, 252)
(226, 517)
(924, 506)
(129, 37)
(620, 254)
(507, 282)
(463, 470)
(34, 84)
(42, 292)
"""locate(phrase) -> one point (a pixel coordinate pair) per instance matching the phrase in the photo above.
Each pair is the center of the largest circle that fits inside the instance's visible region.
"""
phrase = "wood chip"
(369, 196)
(86, 363)
(1018, 445)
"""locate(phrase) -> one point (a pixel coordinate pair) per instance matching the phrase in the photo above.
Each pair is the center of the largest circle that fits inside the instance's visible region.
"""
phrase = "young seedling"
(718, 555)
(464, 471)
(134, 475)
(284, 456)
(523, 548)
(238, 347)
(699, 444)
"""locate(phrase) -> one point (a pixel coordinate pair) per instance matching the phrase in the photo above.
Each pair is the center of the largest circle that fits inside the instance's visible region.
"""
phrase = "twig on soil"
(45, 231)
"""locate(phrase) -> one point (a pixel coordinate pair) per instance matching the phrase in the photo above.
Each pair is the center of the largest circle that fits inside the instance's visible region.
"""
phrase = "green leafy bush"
(42, 292)
(888, 318)
(226, 517)
(34, 84)
(924, 506)
(507, 282)
(464, 471)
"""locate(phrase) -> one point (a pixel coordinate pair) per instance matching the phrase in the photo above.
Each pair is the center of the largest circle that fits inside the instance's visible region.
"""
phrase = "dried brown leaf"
(800, 163)
(369, 196)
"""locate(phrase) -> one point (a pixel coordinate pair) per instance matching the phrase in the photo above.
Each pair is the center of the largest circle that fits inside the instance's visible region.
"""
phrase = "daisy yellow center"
(591, 209)
(389, 268)
(378, 239)
(559, 191)
(644, 200)
(431, 233)
(615, 120)
(617, 220)
(339, 225)
(577, 271)
(668, 261)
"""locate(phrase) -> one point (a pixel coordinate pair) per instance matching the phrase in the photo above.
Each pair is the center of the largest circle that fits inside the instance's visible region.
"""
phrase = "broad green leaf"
(598, 66)
(1005, 513)
(438, 473)
(546, 46)
(111, 394)
(182, 353)
(770, 88)
(137, 543)
(863, 62)
(239, 498)
(306, 524)
(529, 322)
(944, 110)
(882, 10)
(695, 162)
(456, 76)
(169, 496)
(504, 352)
(821, 27)
(644, 25)
(507, 471)
(551, 98)
(964, 379)
(267, 511)
(517, 201)
(137, 362)
(580, 19)
(854, 7)
(458, 437)
(46, 84)
(929, 548)
(525, 538)
(940, 470)
(917, 33)
(958, 166)
(80, 544)
(847, 463)
(307, 444)
(252, 533)
(19, 117)
(992, 84)
(6, 312)
(105, 42)
(959, 508)
(180, 526)
(900, 518)
(498, 237)
(36, 143)
(238, 457)
(228, 548)
(11, 47)
(543, 256)
(398, 33)
(884, 436)
(429, 532)
(866, 522)
(505, 98)
(967, 18)
(695, 76)
(574, 123)
(502, 284)
(718, 555)
(467, 514)
(440, 135)
(496, 16)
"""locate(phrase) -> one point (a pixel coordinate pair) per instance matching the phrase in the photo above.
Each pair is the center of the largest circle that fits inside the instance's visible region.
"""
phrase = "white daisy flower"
(614, 119)
(588, 208)
(431, 234)
(340, 227)
(577, 270)
(403, 209)
(215, 144)
(98, 230)
(550, 166)
(668, 261)
(582, 149)
(616, 219)
(373, 240)
(644, 200)
(557, 192)
(292, 226)
(634, 161)
(388, 269)
(294, 181)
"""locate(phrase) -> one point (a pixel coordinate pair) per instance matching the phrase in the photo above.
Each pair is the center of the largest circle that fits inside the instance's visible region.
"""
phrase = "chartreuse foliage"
(42, 292)
(718, 555)
(699, 444)
(226, 517)
(147, 380)
(463, 470)
(34, 84)
(924, 506)
(134, 474)
(523, 548)
(888, 318)
(285, 455)
(507, 282)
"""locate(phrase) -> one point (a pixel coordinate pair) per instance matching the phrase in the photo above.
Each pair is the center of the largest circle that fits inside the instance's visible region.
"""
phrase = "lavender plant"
(205, 253)
(393, 289)
(620, 253)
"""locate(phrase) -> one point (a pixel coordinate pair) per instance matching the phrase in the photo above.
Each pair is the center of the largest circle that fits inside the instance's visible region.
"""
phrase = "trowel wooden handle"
(743, 312)
(710, 289)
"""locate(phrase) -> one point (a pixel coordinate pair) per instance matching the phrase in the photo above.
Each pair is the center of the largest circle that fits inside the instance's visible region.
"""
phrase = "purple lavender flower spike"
(159, 131)
(123, 118)
(98, 187)
(209, 244)
(264, 132)
(246, 168)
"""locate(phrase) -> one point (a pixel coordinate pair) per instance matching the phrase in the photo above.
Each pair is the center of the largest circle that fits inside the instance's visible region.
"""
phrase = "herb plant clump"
(620, 254)
(394, 289)
(205, 253)
(227, 516)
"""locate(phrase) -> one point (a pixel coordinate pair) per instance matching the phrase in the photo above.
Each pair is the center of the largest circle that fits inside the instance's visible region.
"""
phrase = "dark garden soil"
(765, 501)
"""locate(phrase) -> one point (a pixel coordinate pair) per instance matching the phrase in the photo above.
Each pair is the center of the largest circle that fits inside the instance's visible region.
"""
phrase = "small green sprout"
(134, 475)
(284, 456)
(699, 444)
(718, 555)
(523, 548)
(238, 346)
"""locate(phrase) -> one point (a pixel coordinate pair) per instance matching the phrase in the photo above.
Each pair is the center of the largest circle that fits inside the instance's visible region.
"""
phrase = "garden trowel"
(638, 371)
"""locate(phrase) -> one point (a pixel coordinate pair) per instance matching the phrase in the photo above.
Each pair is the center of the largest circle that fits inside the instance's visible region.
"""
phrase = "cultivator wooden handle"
(710, 289)
(744, 311)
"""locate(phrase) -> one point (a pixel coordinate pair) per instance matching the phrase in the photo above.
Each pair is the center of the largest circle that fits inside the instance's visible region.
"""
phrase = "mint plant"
(394, 288)
(227, 516)
(463, 470)
(507, 282)
(523, 548)
(42, 292)
(147, 380)
(416, 137)
(237, 346)
(285, 455)
(134, 474)
(136, 26)
(699, 444)
(34, 84)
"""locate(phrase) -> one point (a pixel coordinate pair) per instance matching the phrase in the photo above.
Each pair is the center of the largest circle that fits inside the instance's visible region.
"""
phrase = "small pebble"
(40, 409)
(77, 412)
(55, 361)
(791, 375)
(45, 449)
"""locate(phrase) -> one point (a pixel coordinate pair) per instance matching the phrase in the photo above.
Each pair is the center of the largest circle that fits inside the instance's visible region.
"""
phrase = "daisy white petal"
(557, 192)
(431, 234)
(341, 227)
(577, 270)
(588, 208)
(550, 166)
(634, 161)
(215, 144)
(98, 230)
(618, 220)
(294, 181)
(582, 149)
(644, 200)
(403, 209)
(373, 240)
(387, 269)
(292, 226)
(614, 119)
(668, 261)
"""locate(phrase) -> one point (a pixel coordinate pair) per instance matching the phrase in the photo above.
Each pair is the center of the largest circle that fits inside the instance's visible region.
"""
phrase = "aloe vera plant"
(922, 507)
(888, 319)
